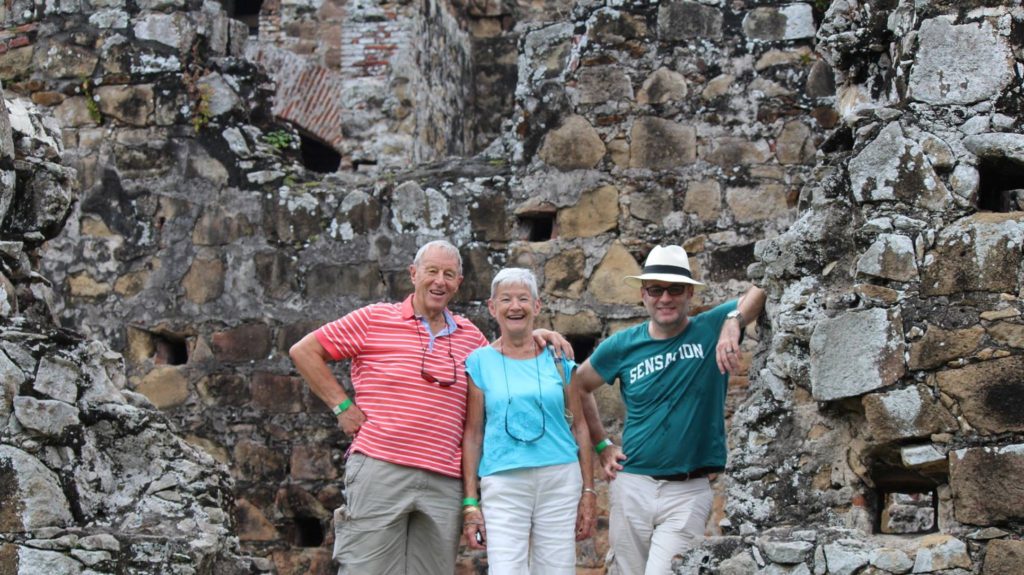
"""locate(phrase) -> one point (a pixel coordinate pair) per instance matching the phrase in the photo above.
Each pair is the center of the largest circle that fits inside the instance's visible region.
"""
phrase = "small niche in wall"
(169, 349)
(907, 501)
(318, 156)
(246, 11)
(309, 532)
(908, 512)
(538, 227)
(582, 346)
(1001, 185)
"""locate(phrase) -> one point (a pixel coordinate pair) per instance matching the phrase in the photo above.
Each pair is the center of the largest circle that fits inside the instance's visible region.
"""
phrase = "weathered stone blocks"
(596, 212)
(165, 386)
(683, 20)
(959, 64)
(562, 273)
(892, 257)
(938, 346)
(1004, 557)
(31, 497)
(572, 146)
(855, 353)
(658, 144)
(663, 85)
(765, 202)
(243, 343)
(204, 281)
(275, 393)
(990, 394)
(905, 414)
(893, 167)
(788, 22)
(606, 283)
(988, 484)
(940, 551)
(981, 252)
(601, 84)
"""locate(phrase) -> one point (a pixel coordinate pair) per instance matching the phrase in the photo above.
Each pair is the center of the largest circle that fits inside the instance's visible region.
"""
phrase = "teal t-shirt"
(530, 411)
(673, 393)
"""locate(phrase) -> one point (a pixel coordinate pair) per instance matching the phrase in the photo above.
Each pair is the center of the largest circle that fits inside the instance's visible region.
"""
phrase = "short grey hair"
(515, 276)
(443, 245)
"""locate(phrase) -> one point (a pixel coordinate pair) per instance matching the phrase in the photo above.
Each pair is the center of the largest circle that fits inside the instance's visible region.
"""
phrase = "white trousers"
(652, 521)
(530, 516)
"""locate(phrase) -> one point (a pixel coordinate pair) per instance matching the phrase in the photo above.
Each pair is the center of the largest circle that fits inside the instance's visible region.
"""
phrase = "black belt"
(699, 472)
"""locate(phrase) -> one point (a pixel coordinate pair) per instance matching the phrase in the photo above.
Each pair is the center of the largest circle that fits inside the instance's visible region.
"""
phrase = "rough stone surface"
(573, 145)
(814, 123)
(846, 362)
(938, 346)
(894, 168)
(905, 414)
(938, 552)
(606, 283)
(597, 211)
(32, 498)
(975, 54)
(682, 20)
(980, 252)
(988, 393)
(658, 144)
(1004, 557)
(987, 484)
(892, 257)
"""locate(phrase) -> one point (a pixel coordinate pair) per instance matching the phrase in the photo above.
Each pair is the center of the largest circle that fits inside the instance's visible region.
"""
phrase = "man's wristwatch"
(735, 314)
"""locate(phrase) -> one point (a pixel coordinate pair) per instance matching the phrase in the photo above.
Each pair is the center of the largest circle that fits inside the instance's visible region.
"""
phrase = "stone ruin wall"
(633, 125)
(395, 83)
(93, 478)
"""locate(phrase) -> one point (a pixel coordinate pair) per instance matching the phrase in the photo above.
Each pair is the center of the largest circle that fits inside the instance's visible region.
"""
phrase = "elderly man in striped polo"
(403, 474)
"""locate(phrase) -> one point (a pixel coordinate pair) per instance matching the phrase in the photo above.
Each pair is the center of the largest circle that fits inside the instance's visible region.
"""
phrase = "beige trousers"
(652, 521)
(396, 520)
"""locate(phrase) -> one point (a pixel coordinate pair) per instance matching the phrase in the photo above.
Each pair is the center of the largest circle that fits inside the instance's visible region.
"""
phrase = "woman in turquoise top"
(534, 465)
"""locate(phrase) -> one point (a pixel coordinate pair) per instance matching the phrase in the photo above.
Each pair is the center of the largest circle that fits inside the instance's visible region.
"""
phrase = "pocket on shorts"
(340, 520)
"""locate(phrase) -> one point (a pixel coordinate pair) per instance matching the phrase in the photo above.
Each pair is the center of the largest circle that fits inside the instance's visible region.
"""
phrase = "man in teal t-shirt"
(672, 371)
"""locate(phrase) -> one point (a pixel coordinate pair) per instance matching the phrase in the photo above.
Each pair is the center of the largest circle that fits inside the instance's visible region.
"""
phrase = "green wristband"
(341, 407)
(603, 445)
(470, 501)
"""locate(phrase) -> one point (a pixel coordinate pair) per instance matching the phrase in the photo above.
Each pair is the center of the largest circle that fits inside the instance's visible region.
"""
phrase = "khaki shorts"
(396, 520)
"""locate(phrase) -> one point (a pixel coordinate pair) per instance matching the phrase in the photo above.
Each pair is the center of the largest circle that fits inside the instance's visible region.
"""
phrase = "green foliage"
(198, 94)
(91, 102)
(201, 109)
(279, 139)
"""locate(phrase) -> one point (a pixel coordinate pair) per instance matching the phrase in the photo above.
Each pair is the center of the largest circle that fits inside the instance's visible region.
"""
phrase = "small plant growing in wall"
(201, 109)
(92, 101)
(279, 139)
(199, 95)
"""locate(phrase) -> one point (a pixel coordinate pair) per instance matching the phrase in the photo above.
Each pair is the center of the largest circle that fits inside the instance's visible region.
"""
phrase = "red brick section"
(308, 95)
(17, 37)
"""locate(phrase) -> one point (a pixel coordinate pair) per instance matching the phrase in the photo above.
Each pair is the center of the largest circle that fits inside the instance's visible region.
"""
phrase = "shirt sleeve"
(345, 337)
(474, 369)
(603, 359)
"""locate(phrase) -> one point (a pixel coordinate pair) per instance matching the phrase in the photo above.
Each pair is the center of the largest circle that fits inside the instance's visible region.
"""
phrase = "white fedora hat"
(665, 264)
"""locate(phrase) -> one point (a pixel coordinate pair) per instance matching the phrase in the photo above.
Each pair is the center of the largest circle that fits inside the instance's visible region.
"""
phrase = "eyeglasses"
(429, 377)
(524, 418)
(543, 424)
(657, 291)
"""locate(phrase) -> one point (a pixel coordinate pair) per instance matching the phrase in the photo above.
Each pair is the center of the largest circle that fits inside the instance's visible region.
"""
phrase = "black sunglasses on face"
(657, 291)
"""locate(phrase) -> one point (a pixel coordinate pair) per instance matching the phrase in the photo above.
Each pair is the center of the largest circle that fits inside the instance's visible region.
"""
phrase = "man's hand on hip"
(610, 458)
(351, 420)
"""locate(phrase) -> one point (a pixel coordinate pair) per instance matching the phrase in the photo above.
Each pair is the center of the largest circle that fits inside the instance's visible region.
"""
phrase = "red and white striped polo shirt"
(409, 421)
